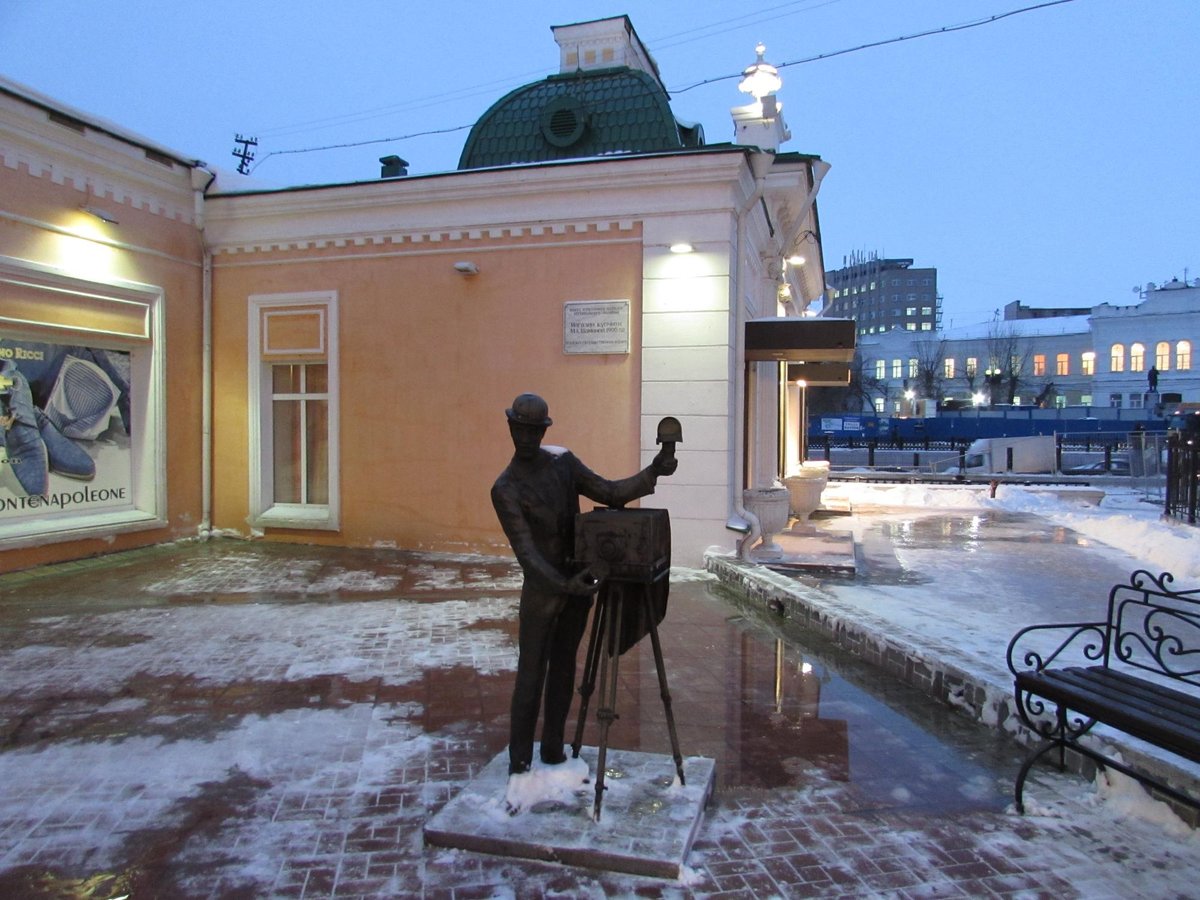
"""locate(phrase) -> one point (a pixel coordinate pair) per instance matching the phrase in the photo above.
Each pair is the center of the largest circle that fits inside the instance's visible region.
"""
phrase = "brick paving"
(200, 721)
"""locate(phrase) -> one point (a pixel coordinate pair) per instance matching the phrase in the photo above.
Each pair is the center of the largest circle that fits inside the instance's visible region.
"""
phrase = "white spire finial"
(762, 78)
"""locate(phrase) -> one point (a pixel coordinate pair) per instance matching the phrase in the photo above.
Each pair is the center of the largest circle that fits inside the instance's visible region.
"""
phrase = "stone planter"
(804, 491)
(770, 506)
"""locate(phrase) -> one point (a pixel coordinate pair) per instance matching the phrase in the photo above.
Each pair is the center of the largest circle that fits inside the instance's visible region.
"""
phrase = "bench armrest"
(1027, 649)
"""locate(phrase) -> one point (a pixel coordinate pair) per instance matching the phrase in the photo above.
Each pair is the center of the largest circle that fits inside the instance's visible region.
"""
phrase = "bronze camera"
(632, 545)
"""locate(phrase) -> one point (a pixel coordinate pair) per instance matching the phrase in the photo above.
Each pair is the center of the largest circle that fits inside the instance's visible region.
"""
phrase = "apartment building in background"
(883, 295)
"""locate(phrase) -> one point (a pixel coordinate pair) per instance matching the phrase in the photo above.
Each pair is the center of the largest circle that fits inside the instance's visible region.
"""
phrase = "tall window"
(1039, 364)
(913, 368)
(1116, 359)
(880, 369)
(897, 368)
(1183, 355)
(1137, 357)
(1062, 364)
(300, 432)
(972, 366)
(1088, 362)
(948, 367)
(293, 377)
(1162, 356)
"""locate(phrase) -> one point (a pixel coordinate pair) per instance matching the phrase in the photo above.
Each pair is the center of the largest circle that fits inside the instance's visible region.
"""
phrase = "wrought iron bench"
(1145, 680)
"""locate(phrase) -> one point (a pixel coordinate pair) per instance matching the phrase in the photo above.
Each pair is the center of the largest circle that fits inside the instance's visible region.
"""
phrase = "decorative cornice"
(431, 241)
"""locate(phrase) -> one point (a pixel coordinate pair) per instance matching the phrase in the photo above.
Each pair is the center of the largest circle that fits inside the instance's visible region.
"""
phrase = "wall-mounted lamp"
(796, 260)
(100, 214)
(682, 247)
(466, 268)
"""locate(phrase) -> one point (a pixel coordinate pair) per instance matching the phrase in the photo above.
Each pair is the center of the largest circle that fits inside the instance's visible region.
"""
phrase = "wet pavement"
(262, 720)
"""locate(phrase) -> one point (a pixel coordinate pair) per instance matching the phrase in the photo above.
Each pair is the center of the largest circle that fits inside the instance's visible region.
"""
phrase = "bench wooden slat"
(1179, 703)
(1144, 710)
(1097, 686)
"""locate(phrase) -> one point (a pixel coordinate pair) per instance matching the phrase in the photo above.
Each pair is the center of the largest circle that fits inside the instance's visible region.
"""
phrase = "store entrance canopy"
(805, 340)
(820, 374)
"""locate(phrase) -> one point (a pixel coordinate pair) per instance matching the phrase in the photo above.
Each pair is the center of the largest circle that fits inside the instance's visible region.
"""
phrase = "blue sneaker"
(23, 442)
(66, 457)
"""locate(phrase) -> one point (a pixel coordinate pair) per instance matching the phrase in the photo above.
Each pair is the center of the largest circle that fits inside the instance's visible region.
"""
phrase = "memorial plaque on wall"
(596, 326)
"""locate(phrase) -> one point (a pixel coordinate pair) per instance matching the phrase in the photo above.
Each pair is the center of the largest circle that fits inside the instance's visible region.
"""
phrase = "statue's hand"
(664, 464)
(583, 584)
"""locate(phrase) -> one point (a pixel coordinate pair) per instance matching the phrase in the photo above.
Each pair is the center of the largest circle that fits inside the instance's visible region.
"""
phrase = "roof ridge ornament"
(762, 78)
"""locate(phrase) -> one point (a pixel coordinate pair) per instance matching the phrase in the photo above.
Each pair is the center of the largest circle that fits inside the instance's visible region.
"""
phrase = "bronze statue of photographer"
(537, 499)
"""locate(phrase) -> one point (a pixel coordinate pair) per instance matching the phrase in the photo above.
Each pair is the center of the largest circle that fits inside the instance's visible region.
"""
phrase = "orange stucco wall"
(429, 360)
(148, 248)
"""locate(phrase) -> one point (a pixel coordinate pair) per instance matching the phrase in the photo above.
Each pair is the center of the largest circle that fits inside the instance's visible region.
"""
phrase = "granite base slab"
(647, 823)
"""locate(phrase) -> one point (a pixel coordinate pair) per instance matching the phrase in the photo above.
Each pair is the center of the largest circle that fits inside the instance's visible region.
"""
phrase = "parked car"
(1116, 467)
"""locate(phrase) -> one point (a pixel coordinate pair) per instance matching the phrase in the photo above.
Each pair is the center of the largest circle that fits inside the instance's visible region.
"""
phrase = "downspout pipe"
(743, 520)
(206, 385)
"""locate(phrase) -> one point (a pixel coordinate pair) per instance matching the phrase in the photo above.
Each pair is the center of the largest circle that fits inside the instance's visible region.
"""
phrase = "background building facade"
(883, 295)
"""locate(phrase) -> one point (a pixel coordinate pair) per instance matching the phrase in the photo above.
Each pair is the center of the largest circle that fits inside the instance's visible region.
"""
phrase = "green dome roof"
(594, 113)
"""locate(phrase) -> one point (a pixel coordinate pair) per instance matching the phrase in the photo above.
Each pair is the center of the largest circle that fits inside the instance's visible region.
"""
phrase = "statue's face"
(526, 439)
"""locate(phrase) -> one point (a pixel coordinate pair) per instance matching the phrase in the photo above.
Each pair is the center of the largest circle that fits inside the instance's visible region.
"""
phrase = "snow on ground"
(1123, 520)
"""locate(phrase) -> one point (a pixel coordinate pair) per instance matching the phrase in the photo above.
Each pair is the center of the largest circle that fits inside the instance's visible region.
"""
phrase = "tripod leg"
(608, 690)
(588, 684)
(666, 694)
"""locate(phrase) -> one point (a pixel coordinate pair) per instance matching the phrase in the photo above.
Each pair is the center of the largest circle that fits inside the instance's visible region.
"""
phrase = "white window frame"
(264, 511)
(147, 508)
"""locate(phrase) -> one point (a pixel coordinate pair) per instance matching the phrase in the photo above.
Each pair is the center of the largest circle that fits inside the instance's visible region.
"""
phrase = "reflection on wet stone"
(412, 679)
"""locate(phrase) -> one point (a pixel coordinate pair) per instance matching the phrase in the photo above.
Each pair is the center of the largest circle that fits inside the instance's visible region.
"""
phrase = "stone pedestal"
(647, 827)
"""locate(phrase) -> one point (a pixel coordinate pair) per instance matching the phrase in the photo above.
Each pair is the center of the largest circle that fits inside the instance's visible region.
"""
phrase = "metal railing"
(1183, 476)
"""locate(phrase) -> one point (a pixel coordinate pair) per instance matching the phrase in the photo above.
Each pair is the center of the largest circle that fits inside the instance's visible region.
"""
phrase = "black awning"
(807, 340)
(820, 374)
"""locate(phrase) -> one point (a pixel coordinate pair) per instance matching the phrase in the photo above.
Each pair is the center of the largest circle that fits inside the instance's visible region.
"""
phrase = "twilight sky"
(1049, 157)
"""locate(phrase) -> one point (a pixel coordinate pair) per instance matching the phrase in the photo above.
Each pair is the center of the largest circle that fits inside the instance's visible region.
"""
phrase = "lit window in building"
(1088, 362)
(879, 405)
(1114, 400)
(927, 310)
(897, 368)
(911, 326)
(972, 366)
(913, 365)
(1162, 356)
(1116, 359)
(1062, 364)
(948, 367)
(880, 367)
(910, 311)
(872, 285)
(1137, 357)
(1039, 364)
(927, 326)
(1183, 355)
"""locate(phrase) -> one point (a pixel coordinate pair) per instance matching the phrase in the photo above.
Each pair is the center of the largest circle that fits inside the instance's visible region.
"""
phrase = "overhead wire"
(945, 29)
(471, 91)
